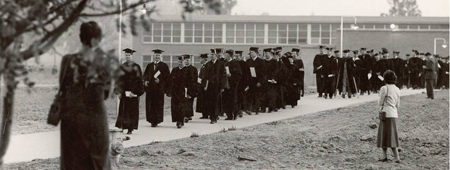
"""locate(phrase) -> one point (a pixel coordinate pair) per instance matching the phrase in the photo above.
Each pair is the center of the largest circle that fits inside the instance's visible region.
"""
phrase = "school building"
(199, 33)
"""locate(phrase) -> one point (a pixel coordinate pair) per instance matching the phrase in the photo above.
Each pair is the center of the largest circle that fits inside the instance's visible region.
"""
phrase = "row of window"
(257, 33)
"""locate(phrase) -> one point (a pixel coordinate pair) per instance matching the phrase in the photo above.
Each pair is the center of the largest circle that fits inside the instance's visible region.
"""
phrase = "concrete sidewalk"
(47, 145)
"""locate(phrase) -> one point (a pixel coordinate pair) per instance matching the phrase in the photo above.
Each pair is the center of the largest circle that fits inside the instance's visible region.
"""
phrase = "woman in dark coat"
(132, 88)
(179, 102)
(84, 123)
(293, 81)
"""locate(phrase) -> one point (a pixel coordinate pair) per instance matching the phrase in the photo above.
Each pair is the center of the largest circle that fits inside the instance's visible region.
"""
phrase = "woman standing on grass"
(84, 126)
(389, 102)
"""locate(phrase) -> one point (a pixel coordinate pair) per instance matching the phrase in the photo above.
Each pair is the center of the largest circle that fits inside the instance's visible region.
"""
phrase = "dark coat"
(154, 97)
(200, 106)
(317, 62)
(346, 66)
(84, 121)
(292, 90)
(430, 69)
(128, 117)
(192, 88)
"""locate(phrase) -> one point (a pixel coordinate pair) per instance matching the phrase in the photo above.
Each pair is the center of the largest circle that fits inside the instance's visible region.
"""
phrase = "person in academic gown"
(330, 70)
(282, 76)
(132, 88)
(201, 106)
(317, 69)
(271, 86)
(301, 71)
(346, 81)
(398, 69)
(243, 84)
(293, 82)
(234, 74)
(405, 72)
(178, 93)
(414, 67)
(375, 81)
(422, 71)
(359, 72)
(156, 79)
(257, 78)
(384, 64)
(191, 85)
(443, 73)
(365, 67)
(215, 85)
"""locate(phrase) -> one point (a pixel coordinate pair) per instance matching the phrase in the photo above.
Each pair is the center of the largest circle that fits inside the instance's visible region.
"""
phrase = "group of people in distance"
(227, 83)
(361, 71)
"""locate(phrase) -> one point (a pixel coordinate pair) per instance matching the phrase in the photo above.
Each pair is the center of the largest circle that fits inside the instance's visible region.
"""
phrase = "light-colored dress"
(387, 131)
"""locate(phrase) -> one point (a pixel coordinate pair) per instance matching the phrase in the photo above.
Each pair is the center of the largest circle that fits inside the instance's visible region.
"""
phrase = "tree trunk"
(6, 125)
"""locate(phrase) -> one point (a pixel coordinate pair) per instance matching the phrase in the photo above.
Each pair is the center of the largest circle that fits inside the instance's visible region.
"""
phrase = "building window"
(176, 32)
(302, 34)
(315, 33)
(325, 35)
(272, 33)
(402, 26)
(198, 33)
(157, 32)
(444, 27)
(209, 32)
(259, 34)
(282, 33)
(250, 33)
(218, 32)
(292, 34)
(413, 27)
(240, 33)
(230, 33)
(189, 32)
(424, 27)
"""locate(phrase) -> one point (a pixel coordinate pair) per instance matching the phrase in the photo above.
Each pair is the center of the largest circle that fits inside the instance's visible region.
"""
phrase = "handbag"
(382, 114)
(54, 114)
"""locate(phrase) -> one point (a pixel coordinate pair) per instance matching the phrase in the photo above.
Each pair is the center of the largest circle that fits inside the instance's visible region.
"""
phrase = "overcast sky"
(332, 7)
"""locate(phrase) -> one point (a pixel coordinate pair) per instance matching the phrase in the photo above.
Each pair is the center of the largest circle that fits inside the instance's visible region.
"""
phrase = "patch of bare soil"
(343, 138)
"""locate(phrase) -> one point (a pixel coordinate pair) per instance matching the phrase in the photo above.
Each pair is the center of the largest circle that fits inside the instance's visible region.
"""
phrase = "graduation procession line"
(28, 147)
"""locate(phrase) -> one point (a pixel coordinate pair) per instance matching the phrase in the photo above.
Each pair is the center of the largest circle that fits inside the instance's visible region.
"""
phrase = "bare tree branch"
(117, 11)
(40, 47)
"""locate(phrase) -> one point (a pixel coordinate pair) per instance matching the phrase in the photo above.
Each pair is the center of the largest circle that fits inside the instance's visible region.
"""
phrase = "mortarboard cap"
(355, 51)
(427, 54)
(213, 51)
(267, 50)
(321, 46)
(255, 49)
(421, 53)
(219, 50)
(363, 49)
(336, 51)
(157, 51)
(384, 50)
(181, 57)
(128, 50)
(295, 50)
(230, 52)
(238, 52)
(346, 51)
(186, 56)
(278, 48)
(327, 48)
(407, 54)
(203, 55)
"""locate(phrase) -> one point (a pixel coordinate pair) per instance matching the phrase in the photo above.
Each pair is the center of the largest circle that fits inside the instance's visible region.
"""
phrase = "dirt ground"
(32, 106)
(342, 138)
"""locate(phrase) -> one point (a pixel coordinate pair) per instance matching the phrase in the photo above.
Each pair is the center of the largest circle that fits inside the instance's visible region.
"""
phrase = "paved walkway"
(47, 145)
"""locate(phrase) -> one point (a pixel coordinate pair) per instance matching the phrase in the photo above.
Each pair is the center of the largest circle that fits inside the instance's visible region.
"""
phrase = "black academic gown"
(282, 76)
(317, 62)
(154, 97)
(271, 90)
(200, 106)
(360, 74)
(243, 84)
(329, 73)
(129, 106)
(229, 99)
(255, 93)
(301, 74)
(292, 89)
(414, 67)
(398, 69)
(346, 76)
(192, 87)
(178, 92)
(216, 81)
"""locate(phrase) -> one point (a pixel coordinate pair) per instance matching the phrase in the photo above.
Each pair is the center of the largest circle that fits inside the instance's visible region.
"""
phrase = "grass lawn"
(336, 139)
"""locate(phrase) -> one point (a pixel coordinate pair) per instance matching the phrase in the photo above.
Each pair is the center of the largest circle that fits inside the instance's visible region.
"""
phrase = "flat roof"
(301, 19)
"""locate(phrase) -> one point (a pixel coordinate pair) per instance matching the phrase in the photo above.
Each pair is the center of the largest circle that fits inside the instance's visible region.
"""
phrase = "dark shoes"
(229, 118)
(154, 124)
(203, 117)
(383, 160)
(129, 132)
